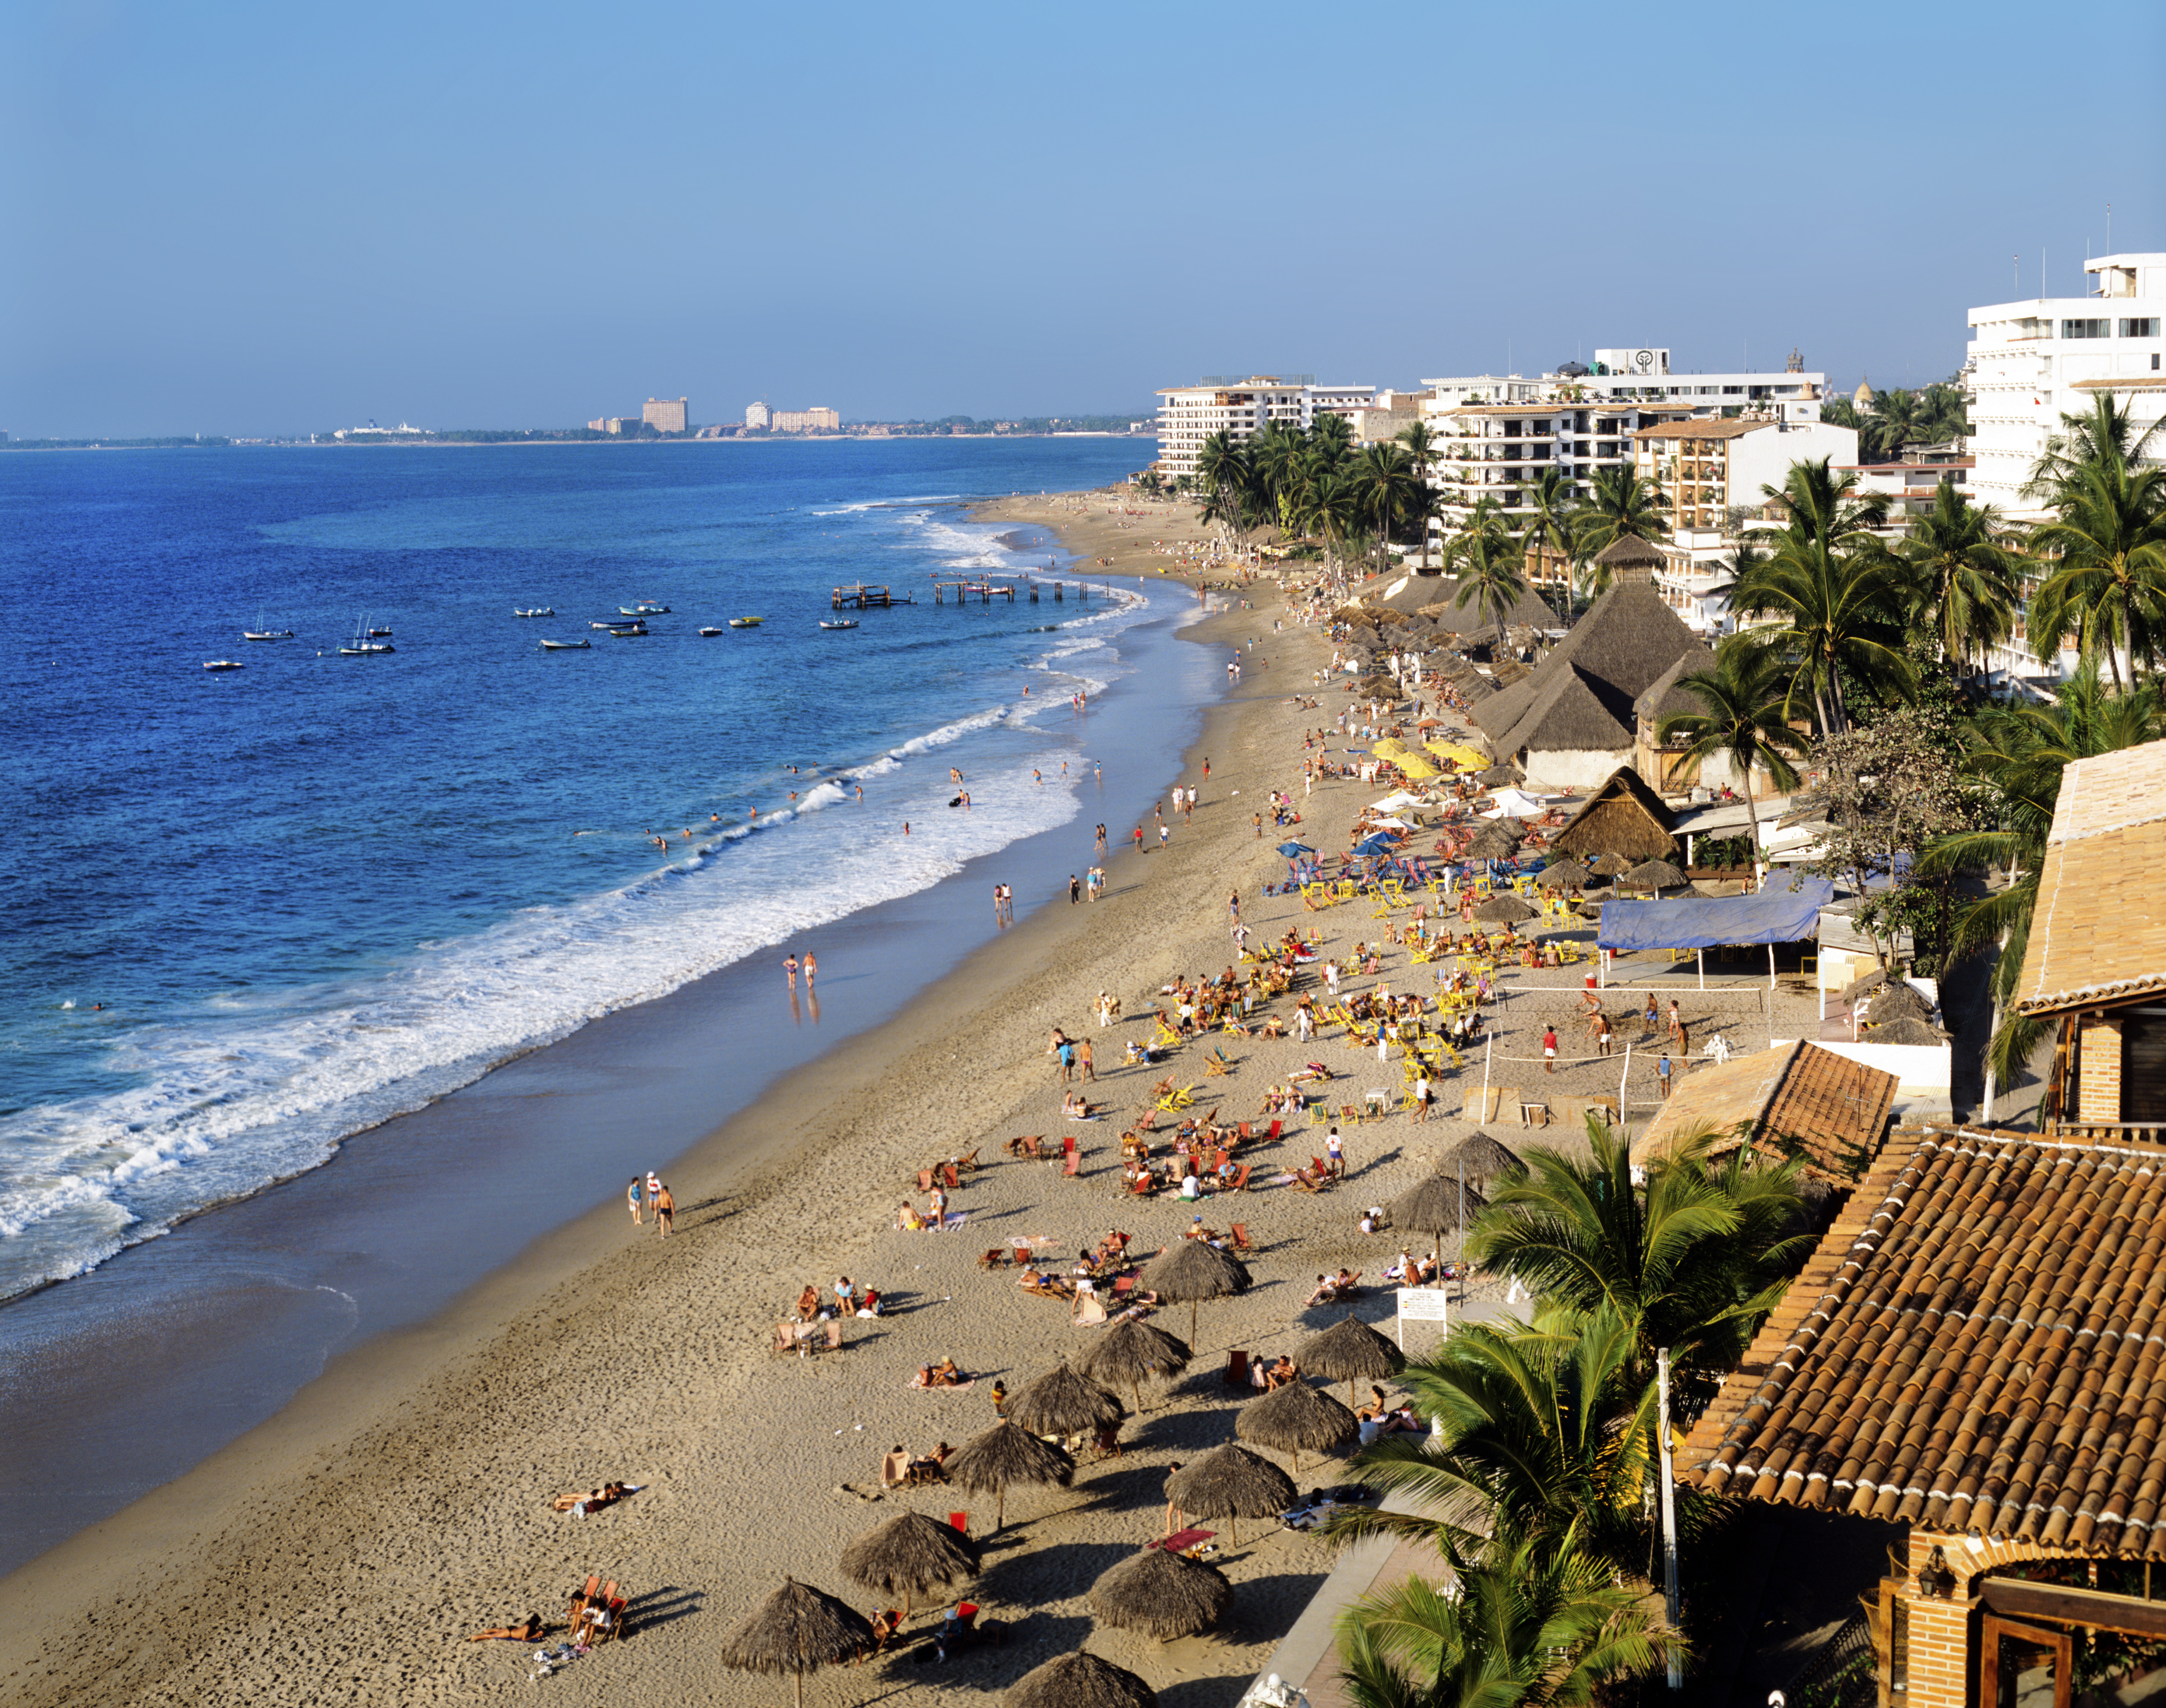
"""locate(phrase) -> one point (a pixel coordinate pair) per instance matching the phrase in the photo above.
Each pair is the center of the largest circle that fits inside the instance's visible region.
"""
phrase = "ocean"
(252, 913)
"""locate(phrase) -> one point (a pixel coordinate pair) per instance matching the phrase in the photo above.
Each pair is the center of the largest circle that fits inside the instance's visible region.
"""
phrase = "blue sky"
(251, 219)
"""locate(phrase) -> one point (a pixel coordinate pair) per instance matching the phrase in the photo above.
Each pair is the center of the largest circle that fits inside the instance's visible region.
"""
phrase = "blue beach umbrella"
(1376, 845)
(1291, 849)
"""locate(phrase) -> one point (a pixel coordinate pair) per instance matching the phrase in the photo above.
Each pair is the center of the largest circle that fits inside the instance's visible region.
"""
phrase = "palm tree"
(1843, 608)
(1274, 457)
(1623, 507)
(1551, 521)
(1896, 421)
(2023, 750)
(2106, 435)
(1822, 504)
(1518, 1630)
(1424, 446)
(2110, 588)
(1965, 586)
(1221, 464)
(1690, 1261)
(1328, 504)
(1385, 477)
(1333, 435)
(1746, 719)
(1485, 557)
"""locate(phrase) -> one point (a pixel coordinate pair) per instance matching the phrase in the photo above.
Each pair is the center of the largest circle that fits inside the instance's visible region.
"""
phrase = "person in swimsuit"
(633, 1201)
(665, 1212)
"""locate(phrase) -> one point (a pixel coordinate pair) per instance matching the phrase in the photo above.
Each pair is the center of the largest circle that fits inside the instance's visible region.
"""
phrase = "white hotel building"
(1188, 414)
(2032, 362)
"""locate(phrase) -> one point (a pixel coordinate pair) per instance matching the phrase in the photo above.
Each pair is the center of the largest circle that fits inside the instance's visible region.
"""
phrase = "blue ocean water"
(251, 912)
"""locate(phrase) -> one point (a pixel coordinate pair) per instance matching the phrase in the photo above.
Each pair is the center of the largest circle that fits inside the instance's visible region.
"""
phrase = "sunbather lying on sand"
(531, 1632)
(593, 1500)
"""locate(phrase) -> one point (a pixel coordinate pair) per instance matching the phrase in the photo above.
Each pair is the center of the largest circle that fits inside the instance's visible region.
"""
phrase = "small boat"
(710, 630)
(379, 634)
(744, 622)
(266, 635)
(538, 610)
(839, 622)
(646, 607)
(568, 646)
(223, 664)
(624, 630)
(365, 649)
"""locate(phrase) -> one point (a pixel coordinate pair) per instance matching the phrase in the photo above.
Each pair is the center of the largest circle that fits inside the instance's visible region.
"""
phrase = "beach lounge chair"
(609, 1625)
(1090, 1309)
(997, 1257)
(969, 1165)
(1239, 1236)
(1216, 1066)
(1277, 1128)
(925, 1180)
(833, 1338)
(583, 1600)
(950, 1178)
(1237, 1368)
(1240, 1181)
(961, 1521)
(1071, 1164)
(895, 1469)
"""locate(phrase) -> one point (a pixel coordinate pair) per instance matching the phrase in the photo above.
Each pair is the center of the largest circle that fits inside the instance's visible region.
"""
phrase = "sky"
(251, 220)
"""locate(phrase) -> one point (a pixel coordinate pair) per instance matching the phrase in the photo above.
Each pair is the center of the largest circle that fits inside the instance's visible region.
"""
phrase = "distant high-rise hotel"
(758, 417)
(665, 414)
(816, 419)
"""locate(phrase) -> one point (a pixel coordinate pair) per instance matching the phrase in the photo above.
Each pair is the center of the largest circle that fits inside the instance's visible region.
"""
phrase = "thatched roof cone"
(1005, 1455)
(1655, 874)
(1904, 1030)
(1080, 1680)
(1432, 1207)
(1563, 875)
(1131, 1352)
(797, 1630)
(1190, 1270)
(1064, 1402)
(1231, 1482)
(1294, 1417)
(1504, 910)
(1629, 551)
(1162, 1595)
(1898, 1002)
(1611, 866)
(908, 1555)
(1350, 1350)
(1479, 1157)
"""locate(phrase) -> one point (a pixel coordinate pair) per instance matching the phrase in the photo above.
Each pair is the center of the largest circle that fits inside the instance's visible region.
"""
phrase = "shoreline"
(501, 1390)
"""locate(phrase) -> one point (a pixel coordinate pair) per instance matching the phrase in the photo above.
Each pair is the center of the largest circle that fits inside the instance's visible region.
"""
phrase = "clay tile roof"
(2097, 931)
(1973, 1347)
(1828, 1111)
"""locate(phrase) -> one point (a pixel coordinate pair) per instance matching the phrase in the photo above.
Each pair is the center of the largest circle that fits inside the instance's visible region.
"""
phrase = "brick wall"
(1943, 1633)
(2097, 1096)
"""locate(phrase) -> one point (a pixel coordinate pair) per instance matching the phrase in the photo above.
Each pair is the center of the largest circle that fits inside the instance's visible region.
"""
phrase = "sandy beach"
(341, 1551)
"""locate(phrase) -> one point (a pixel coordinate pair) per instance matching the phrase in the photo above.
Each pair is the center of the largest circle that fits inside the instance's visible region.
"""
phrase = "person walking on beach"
(633, 1201)
(1140, 839)
(1083, 1059)
(1549, 1050)
(1260, 826)
(789, 966)
(1334, 1154)
(653, 1188)
(1164, 836)
(1101, 842)
(665, 1212)
(1662, 1076)
(1074, 889)
(812, 968)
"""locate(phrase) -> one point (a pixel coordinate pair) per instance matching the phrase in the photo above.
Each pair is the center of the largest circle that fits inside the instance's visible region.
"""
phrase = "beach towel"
(958, 1387)
(955, 1219)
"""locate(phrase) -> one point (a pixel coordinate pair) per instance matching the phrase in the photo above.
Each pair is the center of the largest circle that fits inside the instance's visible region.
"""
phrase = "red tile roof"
(1975, 1347)
(1827, 1109)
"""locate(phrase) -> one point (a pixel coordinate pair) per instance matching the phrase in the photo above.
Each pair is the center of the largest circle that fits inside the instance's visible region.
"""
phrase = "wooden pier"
(861, 597)
(987, 591)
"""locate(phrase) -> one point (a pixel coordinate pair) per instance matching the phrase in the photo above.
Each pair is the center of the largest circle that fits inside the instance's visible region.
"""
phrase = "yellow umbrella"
(1391, 746)
(1463, 757)
(1413, 765)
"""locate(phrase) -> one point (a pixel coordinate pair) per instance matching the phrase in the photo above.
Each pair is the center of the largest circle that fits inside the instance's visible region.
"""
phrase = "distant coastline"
(453, 442)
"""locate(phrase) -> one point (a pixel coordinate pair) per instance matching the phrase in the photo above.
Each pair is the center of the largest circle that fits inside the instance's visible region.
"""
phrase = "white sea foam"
(252, 1089)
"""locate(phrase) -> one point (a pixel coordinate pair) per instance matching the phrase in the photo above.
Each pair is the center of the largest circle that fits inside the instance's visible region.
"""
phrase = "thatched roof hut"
(1004, 1455)
(1627, 556)
(1624, 817)
(1432, 1207)
(1131, 1352)
(1579, 699)
(1350, 1350)
(797, 1630)
(908, 1555)
(1295, 1419)
(1080, 1680)
(1063, 1402)
(1612, 865)
(1162, 1595)
(1479, 1158)
(1904, 1029)
(1503, 910)
(1566, 874)
(1233, 1483)
(1653, 874)
(1190, 1270)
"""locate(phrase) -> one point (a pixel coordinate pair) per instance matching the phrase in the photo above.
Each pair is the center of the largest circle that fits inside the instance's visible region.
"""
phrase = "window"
(2140, 329)
(2143, 1064)
(2086, 329)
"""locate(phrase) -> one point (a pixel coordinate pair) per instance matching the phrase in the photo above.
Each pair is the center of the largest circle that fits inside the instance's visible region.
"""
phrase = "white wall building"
(1188, 414)
(1707, 468)
(758, 417)
(2032, 362)
(1643, 375)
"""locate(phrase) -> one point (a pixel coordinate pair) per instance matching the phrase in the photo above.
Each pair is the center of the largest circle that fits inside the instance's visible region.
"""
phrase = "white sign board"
(1423, 1303)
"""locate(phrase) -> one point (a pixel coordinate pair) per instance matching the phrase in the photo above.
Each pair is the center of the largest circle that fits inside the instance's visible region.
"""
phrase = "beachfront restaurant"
(1972, 1353)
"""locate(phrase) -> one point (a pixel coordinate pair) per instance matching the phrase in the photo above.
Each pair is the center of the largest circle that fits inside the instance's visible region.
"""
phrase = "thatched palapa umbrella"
(1503, 910)
(1478, 1157)
(1350, 1350)
(1432, 1208)
(1563, 875)
(1904, 1030)
(1005, 1454)
(1080, 1680)
(1655, 874)
(1062, 1402)
(1294, 1417)
(1190, 1270)
(1131, 1351)
(909, 1555)
(1233, 1483)
(1610, 865)
(797, 1630)
(1162, 1595)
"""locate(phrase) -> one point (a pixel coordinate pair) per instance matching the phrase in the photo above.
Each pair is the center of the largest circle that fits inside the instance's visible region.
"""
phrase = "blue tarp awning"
(1781, 913)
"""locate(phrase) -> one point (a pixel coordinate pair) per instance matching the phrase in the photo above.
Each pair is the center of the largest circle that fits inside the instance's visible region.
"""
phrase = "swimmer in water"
(861, 791)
